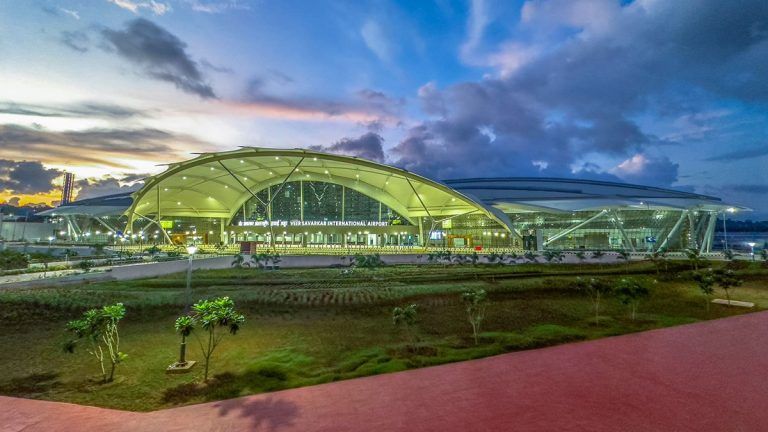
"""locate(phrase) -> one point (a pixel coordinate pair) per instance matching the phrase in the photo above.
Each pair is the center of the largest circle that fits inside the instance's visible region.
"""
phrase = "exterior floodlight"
(752, 249)
(191, 249)
(730, 210)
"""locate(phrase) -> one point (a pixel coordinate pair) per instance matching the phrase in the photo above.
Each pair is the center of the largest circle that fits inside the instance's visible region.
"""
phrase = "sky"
(663, 93)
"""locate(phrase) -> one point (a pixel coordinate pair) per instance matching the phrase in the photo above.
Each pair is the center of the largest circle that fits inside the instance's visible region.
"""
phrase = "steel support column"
(709, 234)
(431, 219)
(151, 221)
(673, 231)
(573, 228)
(617, 222)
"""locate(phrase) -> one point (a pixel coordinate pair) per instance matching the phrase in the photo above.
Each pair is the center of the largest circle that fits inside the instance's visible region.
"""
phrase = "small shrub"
(10, 260)
(475, 302)
(99, 328)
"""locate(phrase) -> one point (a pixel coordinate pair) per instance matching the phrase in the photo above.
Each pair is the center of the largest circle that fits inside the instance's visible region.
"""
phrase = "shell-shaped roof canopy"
(216, 185)
(523, 194)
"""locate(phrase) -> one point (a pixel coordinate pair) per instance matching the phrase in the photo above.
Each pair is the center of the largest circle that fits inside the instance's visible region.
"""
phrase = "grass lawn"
(307, 327)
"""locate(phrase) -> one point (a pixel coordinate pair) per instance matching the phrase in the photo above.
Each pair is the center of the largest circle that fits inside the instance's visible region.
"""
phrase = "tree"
(630, 292)
(706, 283)
(495, 258)
(98, 249)
(530, 256)
(85, 265)
(764, 255)
(240, 261)
(267, 260)
(211, 316)
(475, 302)
(406, 317)
(553, 256)
(69, 253)
(99, 327)
(729, 254)
(370, 262)
(598, 256)
(581, 256)
(11, 260)
(596, 289)
(624, 255)
(727, 280)
(658, 258)
(694, 257)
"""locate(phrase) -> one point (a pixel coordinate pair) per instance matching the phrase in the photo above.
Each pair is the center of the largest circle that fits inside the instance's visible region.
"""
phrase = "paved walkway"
(710, 376)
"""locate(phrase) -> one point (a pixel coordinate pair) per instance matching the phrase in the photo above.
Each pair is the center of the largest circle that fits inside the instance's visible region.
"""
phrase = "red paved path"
(710, 376)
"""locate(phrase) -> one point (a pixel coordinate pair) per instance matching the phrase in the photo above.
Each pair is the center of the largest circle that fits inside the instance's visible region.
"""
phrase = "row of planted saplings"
(628, 291)
(211, 320)
(631, 292)
(98, 330)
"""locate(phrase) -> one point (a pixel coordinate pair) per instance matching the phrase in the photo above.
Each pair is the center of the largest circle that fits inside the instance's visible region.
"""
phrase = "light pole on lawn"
(182, 365)
(191, 249)
(752, 249)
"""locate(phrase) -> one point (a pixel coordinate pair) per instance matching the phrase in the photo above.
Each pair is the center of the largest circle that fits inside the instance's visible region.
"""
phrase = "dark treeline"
(743, 226)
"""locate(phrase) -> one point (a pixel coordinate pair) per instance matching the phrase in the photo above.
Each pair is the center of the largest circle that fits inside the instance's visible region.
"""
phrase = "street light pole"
(191, 249)
(184, 365)
(752, 249)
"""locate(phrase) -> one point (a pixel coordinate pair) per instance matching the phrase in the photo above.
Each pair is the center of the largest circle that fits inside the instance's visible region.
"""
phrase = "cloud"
(217, 6)
(26, 177)
(642, 169)
(160, 54)
(366, 107)
(568, 101)
(478, 20)
(376, 41)
(60, 11)
(107, 185)
(156, 7)
(212, 67)
(755, 189)
(74, 110)
(75, 40)
(367, 146)
(740, 154)
(105, 147)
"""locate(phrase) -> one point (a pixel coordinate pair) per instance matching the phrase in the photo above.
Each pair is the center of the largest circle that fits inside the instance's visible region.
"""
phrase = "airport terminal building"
(305, 199)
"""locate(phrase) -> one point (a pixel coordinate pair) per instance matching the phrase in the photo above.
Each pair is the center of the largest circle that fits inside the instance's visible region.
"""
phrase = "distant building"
(302, 198)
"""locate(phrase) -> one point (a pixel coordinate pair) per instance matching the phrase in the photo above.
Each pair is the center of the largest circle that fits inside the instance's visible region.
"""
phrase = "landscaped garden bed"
(305, 327)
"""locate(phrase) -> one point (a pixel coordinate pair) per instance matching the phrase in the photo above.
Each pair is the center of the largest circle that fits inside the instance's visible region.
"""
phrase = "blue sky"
(654, 92)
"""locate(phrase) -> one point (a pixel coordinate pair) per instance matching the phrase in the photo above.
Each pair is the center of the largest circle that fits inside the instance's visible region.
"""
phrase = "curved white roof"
(217, 184)
(525, 194)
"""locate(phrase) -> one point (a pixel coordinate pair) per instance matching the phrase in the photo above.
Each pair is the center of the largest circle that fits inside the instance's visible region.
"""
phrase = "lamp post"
(191, 249)
(184, 365)
(184, 327)
(752, 249)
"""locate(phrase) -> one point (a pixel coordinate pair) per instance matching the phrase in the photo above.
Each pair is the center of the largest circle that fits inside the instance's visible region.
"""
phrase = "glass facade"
(315, 201)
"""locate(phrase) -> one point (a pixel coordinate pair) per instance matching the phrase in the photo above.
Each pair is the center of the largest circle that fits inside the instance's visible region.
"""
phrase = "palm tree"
(239, 261)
